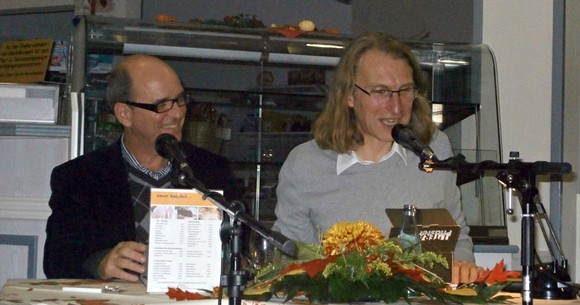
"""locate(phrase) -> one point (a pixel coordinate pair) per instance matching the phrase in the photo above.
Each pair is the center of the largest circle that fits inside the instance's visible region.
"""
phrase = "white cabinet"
(29, 152)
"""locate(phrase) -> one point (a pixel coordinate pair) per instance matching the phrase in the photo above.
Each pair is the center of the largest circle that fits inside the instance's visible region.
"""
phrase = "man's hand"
(125, 256)
(464, 272)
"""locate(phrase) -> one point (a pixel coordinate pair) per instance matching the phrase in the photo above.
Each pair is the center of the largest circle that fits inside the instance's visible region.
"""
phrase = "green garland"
(379, 273)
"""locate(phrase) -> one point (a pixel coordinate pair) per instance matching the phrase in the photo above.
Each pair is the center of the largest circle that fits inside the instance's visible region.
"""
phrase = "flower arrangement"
(355, 263)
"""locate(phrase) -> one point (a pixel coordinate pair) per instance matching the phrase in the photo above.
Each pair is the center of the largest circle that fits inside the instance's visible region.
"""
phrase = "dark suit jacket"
(92, 209)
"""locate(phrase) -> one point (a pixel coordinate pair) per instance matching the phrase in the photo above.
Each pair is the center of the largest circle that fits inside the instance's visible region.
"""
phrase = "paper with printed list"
(184, 244)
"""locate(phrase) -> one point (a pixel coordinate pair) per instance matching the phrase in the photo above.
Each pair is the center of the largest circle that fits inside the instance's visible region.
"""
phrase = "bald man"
(100, 201)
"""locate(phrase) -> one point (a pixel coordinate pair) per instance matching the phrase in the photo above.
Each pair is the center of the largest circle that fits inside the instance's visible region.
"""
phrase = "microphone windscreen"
(163, 143)
(405, 137)
(401, 133)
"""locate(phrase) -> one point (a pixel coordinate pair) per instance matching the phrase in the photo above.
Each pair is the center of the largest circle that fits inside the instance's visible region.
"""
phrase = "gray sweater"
(312, 197)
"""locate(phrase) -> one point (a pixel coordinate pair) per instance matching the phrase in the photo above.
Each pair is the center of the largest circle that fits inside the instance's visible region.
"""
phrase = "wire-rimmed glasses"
(381, 95)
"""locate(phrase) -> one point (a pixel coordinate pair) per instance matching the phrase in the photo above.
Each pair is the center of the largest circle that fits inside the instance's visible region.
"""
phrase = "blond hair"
(336, 126)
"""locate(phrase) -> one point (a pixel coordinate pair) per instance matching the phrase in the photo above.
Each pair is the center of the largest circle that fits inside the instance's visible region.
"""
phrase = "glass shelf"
(226, 67)
(107, 35)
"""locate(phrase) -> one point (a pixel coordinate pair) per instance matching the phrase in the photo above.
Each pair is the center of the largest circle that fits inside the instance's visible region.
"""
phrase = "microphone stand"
(552, 279)
(522, 177)
(230, 231)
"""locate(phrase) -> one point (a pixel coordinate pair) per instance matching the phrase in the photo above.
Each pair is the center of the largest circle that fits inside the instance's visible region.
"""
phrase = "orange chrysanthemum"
(346, 236)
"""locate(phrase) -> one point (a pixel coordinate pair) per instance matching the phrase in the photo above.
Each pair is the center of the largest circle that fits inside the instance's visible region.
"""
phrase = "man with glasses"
(353, 169)
(100, 201)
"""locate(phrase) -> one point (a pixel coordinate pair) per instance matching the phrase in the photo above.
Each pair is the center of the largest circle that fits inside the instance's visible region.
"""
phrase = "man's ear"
(350, 100)
(123, 113)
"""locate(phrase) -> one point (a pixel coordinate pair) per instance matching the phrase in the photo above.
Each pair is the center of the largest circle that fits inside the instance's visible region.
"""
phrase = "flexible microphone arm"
(458, 164)
(277, 239)
(235, 280)
(167, 146)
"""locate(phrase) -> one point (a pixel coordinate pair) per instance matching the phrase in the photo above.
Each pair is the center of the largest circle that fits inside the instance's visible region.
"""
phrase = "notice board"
(25, 61)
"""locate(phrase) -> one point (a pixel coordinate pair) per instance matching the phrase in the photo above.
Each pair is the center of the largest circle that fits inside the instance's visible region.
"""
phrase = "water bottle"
(409, 234)
(409, 237)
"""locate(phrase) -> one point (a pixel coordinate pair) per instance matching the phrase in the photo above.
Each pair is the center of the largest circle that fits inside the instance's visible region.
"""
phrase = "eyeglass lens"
(404, 93)
(166, 105)
(385, 94)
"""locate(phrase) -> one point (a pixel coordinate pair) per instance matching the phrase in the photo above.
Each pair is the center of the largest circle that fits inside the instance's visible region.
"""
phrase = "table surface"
(50, 292)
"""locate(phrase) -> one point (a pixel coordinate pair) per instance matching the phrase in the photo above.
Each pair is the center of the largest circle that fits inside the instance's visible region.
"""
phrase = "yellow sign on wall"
(24, 61)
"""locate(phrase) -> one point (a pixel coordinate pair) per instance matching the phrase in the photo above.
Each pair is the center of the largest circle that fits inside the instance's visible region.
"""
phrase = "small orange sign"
(178, 197)
(24, 61)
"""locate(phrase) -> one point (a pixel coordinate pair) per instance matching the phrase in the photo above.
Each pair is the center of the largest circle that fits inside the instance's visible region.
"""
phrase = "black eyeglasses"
(381, 95)
(162, 105)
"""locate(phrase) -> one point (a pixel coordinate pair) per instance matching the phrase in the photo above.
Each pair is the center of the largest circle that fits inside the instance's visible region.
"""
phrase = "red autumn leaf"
(491, 277)
(180, 295)
(289, 33)
(312, 267)
(414, 273)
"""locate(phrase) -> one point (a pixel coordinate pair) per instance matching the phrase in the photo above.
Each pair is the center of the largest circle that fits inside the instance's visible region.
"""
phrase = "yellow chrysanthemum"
(345, 236)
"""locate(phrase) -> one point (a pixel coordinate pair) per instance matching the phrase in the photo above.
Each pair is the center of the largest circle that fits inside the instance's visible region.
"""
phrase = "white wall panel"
(520, 34)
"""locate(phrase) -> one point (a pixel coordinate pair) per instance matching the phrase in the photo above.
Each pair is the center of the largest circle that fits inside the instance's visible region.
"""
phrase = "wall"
(20, 6)
(18, 27)
(571, 199)
(425, 20)
(522, 44)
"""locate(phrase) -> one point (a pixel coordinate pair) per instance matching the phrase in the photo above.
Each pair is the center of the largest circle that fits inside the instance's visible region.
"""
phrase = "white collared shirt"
(344, 161)
(128, 156)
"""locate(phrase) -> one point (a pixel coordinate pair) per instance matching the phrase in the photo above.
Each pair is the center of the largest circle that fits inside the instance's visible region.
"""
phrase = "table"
(50, 292)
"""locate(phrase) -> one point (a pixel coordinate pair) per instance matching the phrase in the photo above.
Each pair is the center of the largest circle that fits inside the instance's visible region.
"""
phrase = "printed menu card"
(184, 244)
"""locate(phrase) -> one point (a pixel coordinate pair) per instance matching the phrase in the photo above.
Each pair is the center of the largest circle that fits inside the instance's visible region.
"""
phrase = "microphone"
(167, 147)
(405, 136)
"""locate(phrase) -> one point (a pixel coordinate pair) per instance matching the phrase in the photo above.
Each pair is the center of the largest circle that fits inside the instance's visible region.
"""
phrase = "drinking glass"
(261, 251)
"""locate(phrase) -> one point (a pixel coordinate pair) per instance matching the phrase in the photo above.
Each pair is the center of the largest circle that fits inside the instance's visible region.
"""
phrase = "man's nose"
(393, 103)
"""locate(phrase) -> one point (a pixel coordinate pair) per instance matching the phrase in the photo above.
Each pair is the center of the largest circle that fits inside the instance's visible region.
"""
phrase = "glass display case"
(256, 93)
(465, 105)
